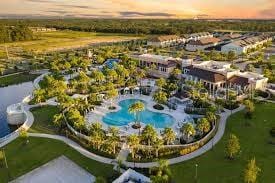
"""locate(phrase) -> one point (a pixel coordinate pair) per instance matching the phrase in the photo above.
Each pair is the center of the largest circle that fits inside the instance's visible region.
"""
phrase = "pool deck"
(179, 115)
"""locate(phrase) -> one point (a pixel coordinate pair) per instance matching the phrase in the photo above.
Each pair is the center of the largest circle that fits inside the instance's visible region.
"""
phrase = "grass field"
(43, 120)
(23, 158)
(60, 40)
(215, 168)
(16, 79)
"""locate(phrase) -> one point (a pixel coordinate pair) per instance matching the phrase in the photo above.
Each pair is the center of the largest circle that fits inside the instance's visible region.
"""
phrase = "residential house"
(159, 66)
(202, 44)
(198, 36)
(219, 75)
(165, 41)
(243, 45)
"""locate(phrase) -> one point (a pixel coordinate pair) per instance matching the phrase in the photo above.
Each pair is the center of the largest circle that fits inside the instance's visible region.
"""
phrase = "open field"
(215, 168)
(43, 120)
(24, 158)
(60, 40)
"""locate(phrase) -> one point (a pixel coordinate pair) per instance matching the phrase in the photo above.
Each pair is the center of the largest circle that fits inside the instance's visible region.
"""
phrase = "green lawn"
(59, 40)
(43, 120)
(24, 158)
(215, 168)
(16, 79)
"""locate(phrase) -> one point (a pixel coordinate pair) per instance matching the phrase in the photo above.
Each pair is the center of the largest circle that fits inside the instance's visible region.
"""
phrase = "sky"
(244, 9)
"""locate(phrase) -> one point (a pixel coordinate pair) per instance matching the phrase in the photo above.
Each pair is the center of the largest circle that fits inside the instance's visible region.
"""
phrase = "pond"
(11, 95)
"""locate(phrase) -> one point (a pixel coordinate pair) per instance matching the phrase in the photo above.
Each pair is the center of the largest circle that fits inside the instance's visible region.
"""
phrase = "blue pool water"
(123, 117)
(11, 95)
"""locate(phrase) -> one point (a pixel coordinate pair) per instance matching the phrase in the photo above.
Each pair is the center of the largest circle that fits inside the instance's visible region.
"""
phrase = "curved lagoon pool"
(11, 95)
(123, 117)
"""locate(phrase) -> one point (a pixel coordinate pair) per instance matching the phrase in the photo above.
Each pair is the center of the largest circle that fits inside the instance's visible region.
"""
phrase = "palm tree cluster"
(149, 143)
(203, 126)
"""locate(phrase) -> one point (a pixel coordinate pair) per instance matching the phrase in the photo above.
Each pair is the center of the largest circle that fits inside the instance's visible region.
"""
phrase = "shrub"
(272, 132)
(158, 107)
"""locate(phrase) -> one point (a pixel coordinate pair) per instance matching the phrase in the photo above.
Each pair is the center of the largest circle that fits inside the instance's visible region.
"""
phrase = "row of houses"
(172, 40)
(243, 45)
(42, 29)
(214, 75)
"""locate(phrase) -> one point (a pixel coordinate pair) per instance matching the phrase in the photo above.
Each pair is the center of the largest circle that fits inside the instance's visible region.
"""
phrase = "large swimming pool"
(123, 117)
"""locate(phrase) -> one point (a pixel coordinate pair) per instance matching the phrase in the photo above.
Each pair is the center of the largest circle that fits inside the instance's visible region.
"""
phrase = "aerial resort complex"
(136, 96)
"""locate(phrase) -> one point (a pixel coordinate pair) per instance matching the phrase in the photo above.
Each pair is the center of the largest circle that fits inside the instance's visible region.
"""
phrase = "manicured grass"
(215, 168)
(16, 79)
(43, 120)
(24, 158)
(59, 40)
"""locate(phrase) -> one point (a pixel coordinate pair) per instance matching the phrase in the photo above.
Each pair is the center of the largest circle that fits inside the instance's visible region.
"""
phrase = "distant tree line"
(15, 33)
(148, 26)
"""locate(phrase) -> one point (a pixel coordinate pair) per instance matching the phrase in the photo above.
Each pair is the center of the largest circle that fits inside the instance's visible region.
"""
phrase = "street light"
(196, 175)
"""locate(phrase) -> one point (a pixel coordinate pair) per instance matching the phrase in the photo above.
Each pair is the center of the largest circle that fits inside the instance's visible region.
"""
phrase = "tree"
(23, 135)
(211, 117)
(157, 145)
(98, 76)
(160, 97)
(97, 135)
(203, 125)
(58, 120)
(113, 138)
(135, 109)
(231, 55)
(232, 147)
(188, 129)
(249, 108)
(161, 173)
(161, 83)
(39, 95)
(251, 171)
(149, 135)
(111, 94)
(100, 180)
(168, 136)
(133, 141)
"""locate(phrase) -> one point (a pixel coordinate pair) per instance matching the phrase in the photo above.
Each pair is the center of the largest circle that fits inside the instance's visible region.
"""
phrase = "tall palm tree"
(58, 120)
(135, 109)
(168, 135)
(113, 138)
(188, 129)
(149, 135)
(157, 145)
(133, 141)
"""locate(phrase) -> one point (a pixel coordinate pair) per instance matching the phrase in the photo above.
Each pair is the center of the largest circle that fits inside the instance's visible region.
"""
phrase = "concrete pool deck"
(59, 170)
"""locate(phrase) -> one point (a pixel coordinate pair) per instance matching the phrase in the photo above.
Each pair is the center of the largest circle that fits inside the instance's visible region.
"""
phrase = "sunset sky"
(139, 8)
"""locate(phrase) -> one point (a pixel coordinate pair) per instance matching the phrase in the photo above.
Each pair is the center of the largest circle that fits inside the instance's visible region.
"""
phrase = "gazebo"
(126, 91)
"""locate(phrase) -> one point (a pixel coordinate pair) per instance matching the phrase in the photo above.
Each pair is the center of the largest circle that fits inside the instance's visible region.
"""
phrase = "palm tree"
(188, 129)
(135, 109)
(112, 94)
(113, 138)
(39, 95)
(168, 136)
(160, 97)
(157, 145)
(203, 125)
(149, 135)
(211, 117)
(133, 141)
(58, 120)
(98, 76)
(97, 135)
(161, 83)
(161, 173)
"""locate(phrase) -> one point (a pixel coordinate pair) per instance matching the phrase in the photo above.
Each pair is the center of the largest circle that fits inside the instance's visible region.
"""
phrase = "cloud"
(270, 11)
(61, 12)
(39, 1)
(139, 14)
(75, 6)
